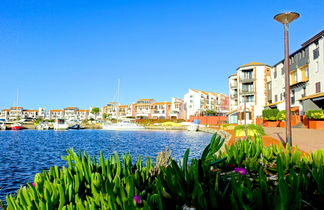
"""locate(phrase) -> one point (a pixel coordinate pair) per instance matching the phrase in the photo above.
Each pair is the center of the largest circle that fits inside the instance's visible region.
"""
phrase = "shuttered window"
(318, 87)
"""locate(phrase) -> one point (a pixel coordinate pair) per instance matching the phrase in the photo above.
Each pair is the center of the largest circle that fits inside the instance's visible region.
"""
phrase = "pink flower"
(137, 199)
(241, 171)
(34, 184)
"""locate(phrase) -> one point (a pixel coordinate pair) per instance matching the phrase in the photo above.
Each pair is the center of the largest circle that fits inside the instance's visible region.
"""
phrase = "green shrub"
(246, 176)
(252, 130)
(281, 115)
(270, 114)
(315, 114)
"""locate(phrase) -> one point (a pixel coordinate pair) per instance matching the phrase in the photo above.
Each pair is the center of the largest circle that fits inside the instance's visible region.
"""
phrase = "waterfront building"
(177, 109)
(122, 111)
(161, 110)
(143, 108)
(5, 114)
(110, 110)
(82, 114)
(56, 114)
(306, 67)
(197, 102)
(248, 92)
(30, 114)
(70, 113)
(16, 113)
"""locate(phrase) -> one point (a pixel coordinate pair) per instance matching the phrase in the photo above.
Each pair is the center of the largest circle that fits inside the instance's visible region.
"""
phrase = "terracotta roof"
(70, 108)
(123, 106)
(6, 110)
(253, 64)
(273, 104)
(56, 110)
(16, 107)
(82, 111)
(144, 99)
(312, 96)
(30, 110)
(161, 103)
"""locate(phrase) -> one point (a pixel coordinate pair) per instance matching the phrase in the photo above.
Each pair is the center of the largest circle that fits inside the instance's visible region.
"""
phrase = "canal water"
(27, 152)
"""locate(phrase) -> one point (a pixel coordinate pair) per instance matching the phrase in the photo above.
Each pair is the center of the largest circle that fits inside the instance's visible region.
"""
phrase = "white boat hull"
(122, 126)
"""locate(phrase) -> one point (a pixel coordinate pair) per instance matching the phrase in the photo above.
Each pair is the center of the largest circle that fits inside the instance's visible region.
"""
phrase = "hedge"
(270, 114)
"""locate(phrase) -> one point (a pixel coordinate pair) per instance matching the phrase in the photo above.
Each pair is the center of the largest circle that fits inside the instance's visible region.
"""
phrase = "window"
(307, 72)
(276, 98)
(281, 97)
(282, 71)
(316, 53)
(316, 67)
(296, 77)
(318, 87)
(304, 92)
(292, 96)
(275, 74)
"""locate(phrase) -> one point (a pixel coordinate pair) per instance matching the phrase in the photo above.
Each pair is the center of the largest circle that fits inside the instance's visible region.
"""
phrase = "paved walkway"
(308, 140)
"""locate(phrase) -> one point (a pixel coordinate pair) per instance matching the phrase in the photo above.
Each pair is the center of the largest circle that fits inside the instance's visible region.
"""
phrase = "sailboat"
(125, 124)
(16, 125)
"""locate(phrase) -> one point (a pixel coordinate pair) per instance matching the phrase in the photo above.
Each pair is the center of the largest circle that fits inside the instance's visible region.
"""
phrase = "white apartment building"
(82, 114)
(306, 66)
(248, 89)
(198, 101)
(70, 113)
(56, 114)
(5, 114)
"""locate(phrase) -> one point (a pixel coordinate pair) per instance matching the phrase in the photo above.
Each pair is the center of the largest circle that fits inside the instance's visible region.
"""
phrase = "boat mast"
(117, 104)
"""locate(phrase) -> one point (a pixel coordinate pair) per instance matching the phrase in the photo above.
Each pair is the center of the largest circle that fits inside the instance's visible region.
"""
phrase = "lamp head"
(286, 17)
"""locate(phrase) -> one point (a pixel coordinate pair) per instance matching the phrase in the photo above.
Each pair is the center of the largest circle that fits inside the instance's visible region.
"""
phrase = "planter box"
(282, 124)
(316, 124)
(258, 121)
(271, 123)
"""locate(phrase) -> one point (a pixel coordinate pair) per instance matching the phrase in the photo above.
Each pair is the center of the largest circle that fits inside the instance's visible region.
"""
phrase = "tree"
(95, 111)
(104, 116)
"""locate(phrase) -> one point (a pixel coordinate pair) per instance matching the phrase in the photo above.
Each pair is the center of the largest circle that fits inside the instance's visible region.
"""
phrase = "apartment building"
(110, 110)
(161, 110)
(177, 109)
(198, 101)
(306, 67)
(82, 114)
(5, 114)
(56, 114)
(248, 92)
(143, 108)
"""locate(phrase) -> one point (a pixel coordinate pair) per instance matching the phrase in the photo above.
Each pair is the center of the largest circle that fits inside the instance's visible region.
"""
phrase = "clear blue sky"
(71, 53)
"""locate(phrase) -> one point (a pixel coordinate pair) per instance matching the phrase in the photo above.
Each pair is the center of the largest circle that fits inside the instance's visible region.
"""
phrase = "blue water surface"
(27, 152)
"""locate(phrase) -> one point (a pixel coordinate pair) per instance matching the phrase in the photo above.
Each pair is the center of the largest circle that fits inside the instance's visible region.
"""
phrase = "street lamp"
(286, 18)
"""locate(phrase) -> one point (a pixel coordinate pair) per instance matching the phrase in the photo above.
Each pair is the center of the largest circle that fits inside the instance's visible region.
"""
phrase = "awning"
(231, 112)
(317, 95)
(274, 104)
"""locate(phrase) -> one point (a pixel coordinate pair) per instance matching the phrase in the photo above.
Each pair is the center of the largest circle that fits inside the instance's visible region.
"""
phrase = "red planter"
(271, 123)
(282, 124)
(316, 124)
(259, 121)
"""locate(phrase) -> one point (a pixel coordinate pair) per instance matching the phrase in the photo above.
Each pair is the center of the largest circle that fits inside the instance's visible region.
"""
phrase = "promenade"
(308, 140)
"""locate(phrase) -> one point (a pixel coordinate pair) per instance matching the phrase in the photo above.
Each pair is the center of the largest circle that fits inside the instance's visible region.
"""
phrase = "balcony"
(247, 79)
(233, 85)
(247, 92)
(234, 95)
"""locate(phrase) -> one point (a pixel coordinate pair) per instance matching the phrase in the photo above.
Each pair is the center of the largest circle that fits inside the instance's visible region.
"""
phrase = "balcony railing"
(246, 92)
(247, 79)
(233, 85)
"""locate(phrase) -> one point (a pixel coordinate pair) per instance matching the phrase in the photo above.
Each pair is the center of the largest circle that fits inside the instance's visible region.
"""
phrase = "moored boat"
(123, 125)
(42, 126)
(16, 126)
(2, 126)
(60, 124)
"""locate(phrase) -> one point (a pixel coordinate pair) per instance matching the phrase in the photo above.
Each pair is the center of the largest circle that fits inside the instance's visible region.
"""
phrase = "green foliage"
(104, 116)
(276, 178)
(95, 110)
(252, 130)
(281, 115)
(315, 114)
(270, 114)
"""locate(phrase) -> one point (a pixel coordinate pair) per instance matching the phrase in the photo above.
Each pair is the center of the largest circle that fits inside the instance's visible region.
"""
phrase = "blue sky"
(71, 53)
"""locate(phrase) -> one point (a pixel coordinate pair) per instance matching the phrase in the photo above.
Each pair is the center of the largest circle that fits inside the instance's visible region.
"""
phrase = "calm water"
(27, 152)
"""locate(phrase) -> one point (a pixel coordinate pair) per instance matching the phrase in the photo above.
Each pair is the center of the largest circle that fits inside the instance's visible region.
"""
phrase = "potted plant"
(316, 119)
(270, 117)
(281, 117)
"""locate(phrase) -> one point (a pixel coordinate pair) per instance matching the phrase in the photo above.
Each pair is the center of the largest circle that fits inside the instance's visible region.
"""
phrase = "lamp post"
(286, 18)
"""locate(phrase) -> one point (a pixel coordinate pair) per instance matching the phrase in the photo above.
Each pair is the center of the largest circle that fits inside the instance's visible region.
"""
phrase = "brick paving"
(308, 140)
